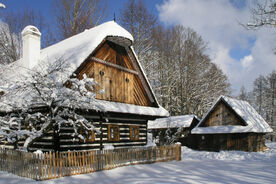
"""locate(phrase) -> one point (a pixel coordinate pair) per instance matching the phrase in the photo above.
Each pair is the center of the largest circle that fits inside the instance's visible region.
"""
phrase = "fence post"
(178, 151)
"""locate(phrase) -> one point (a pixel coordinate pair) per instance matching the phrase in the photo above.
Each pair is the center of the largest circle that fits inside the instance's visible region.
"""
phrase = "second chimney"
(31, 46)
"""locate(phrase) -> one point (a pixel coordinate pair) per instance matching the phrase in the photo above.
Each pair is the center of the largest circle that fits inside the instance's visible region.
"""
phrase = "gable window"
(113, 132)
(134, 133)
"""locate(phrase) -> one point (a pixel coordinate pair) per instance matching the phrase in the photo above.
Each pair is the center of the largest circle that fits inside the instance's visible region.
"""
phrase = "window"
(89, 136)
(134, 133)
(113, 132)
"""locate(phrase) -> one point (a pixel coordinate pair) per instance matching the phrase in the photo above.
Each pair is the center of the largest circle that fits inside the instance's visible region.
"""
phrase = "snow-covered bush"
(108, 147)
(42, 99)
(150, 141)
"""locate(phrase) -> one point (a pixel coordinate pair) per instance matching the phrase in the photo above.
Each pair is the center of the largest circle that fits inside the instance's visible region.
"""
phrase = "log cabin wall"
(236, 141)
(46, 143)
(65, 140)
(222, 115)
(132, 131)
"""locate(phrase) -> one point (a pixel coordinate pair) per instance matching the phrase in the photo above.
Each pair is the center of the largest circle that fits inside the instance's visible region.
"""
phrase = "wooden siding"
(117, 85)
(119, 80)
(115, 54)
(222, 115)
(237, 141)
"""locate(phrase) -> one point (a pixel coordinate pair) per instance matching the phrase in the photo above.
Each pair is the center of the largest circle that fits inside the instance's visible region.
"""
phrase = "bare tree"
(10, 46)
(243, 94)
(139, 21)
(10, 32)
(259, 93)
(74, 16)
(263, 98)
(264, 14)
(186, 81)
(182, 75)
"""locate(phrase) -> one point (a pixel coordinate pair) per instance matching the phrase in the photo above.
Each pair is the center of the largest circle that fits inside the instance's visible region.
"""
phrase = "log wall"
(65, 140)
(236, 141)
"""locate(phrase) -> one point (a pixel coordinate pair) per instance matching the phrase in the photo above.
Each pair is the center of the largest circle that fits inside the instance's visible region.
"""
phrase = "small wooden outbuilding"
(230, 124)
(178, 128)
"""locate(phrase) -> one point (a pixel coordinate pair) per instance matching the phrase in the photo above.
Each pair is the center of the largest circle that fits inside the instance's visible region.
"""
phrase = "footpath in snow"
(195, 167)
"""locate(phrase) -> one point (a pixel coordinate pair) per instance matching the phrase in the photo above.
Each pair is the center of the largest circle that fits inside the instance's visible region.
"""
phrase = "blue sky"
(113, 6)
(243, 55)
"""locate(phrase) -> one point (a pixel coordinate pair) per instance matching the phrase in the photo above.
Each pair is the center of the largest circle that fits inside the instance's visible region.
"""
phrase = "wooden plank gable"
(114, 53)
(112, 68)
(222, 115)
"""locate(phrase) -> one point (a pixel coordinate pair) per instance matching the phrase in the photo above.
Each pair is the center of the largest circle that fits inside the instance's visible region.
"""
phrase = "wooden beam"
(114, 65)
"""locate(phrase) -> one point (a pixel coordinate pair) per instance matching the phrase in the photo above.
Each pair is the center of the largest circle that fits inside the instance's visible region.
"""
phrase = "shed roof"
(74, 51)
(172, 122)
(253, 120)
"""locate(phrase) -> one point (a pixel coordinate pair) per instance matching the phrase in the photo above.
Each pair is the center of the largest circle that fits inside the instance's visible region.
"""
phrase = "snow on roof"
(172, 122)
(130, 108)
(255, 122)
(30, 29)
(77, 48)
(74, 51)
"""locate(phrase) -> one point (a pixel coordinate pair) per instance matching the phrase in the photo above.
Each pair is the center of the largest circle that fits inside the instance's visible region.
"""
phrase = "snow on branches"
(264, 14)
(58, 98)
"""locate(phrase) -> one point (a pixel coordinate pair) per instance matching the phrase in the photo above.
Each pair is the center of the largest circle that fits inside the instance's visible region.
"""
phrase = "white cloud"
(217, 21)
(247, 61)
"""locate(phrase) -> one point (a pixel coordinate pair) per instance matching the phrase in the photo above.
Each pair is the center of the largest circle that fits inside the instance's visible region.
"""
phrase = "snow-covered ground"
(195, 167)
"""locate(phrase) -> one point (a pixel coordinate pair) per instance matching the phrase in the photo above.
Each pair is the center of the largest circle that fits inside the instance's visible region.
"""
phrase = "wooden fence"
(58, 164)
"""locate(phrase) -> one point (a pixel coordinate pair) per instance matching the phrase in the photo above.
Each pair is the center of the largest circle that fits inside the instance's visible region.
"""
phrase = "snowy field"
(195, 167)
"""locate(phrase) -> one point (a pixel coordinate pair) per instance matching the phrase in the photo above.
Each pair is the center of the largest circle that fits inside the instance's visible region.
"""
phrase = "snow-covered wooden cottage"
(177, 128)
(230, 124)
(104, 53)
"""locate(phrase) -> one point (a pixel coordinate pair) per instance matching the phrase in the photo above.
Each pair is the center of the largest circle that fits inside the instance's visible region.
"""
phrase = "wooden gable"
(222, 115)
(111, 66)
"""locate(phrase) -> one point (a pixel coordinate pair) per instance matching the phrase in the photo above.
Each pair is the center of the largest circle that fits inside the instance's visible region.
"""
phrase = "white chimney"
(31, 46)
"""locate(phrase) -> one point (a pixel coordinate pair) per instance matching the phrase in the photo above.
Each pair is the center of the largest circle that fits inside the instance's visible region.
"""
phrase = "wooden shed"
(230, 124)
(178, 128)
(104, 53)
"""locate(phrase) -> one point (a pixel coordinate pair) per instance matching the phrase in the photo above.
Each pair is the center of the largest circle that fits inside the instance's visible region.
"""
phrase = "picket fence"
(59, 164)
